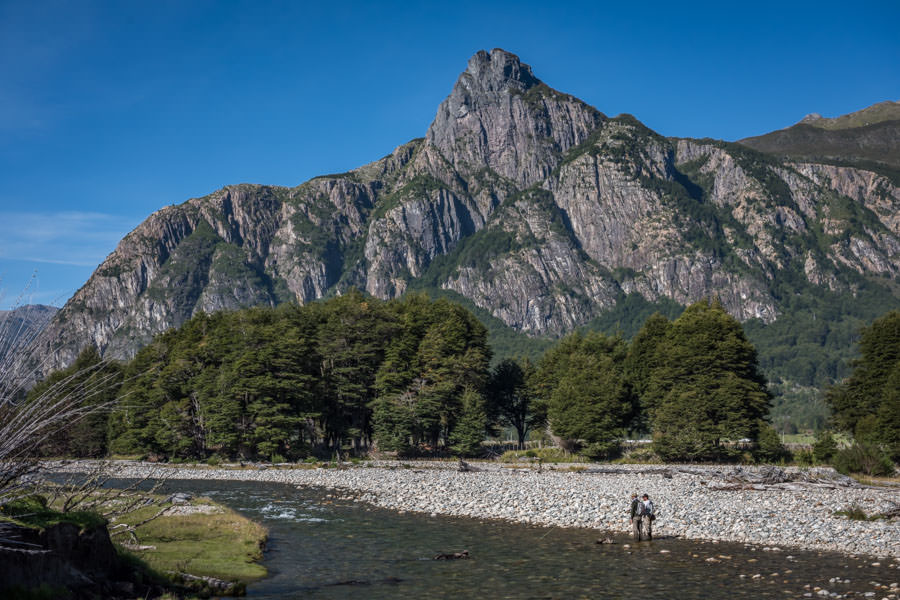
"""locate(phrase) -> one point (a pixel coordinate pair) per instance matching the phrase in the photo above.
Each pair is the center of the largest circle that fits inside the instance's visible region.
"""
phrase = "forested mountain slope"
(534, 208)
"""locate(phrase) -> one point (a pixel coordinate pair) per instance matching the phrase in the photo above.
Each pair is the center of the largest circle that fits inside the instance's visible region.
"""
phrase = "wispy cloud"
(72, 238)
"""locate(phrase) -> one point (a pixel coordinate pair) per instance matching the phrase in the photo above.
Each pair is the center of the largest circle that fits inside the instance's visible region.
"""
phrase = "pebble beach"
(689, 505)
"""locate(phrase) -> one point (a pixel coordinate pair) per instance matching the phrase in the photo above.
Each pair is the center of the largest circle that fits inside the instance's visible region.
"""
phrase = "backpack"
(639, 510)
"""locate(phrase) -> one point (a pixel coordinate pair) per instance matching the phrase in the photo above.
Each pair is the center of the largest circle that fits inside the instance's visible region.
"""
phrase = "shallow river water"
(324, 547)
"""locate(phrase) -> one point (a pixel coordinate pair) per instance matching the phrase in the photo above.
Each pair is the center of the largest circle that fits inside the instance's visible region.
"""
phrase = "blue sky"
(111, 110)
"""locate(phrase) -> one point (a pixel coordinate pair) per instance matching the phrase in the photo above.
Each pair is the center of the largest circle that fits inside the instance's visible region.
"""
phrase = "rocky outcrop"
(21, 325)
(500, 116)
(527, 201)
(84, 563)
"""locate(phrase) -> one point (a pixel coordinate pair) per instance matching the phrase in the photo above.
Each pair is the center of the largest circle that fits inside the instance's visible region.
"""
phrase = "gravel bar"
(800, 517)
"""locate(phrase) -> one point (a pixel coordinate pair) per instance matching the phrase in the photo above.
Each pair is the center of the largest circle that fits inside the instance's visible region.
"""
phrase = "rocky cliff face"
(527, 201)
(20, 325)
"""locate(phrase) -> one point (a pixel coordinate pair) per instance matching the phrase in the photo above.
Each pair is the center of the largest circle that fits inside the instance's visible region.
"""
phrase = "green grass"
(877, 113)
(224, 545)
(842, 439)
(546, 455)
(854, 512)
(33, 512)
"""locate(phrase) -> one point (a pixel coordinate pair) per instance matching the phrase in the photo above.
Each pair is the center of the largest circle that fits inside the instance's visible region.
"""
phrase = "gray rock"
(576, 209)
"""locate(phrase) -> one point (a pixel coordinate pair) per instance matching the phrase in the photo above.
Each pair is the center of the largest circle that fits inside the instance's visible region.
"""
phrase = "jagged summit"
(501, 117)
(497, 71)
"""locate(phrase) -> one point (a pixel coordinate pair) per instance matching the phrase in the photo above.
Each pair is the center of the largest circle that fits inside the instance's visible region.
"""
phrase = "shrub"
(214, 461)
(550, 454)
(277, 458)
(825, 447)
(854, 512)
(866, 430)
(602, 450)
(805, 457)
(639, 455)
(867, 459)
(769, 448)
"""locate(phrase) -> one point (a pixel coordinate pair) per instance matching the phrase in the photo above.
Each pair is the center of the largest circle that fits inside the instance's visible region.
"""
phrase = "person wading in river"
(647, 516)
(636, 512)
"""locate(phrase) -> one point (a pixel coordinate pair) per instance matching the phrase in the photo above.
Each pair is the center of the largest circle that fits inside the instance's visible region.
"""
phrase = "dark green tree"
(825, 447)
(510, 398)
(592, 404)
(889, 416)
(439, 351)
(867, 404)
(708, 387)
(582, 383)
(471, 428)
(644, 356)
(96, 383)
(769, 448)
(134, 421)
(351, 338)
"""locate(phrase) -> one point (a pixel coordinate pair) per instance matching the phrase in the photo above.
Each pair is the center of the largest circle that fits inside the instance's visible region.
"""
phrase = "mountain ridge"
(888, 110)
(865, 136)
(532, 204)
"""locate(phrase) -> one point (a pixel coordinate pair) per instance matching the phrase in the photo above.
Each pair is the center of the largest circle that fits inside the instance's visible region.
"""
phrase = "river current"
(324, 547)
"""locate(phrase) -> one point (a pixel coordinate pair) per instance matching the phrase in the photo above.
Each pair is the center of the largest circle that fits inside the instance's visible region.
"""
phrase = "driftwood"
(741, 478)
(452, 555)
(774, 477)
(892, 513)
(465, 467)
(217, 586)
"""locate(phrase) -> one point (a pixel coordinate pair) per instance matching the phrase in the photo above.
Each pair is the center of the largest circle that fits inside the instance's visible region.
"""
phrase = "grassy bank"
(172, 546)
(202, 539)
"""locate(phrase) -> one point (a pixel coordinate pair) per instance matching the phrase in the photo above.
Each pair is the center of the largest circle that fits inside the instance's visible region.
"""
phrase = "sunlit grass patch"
(223, 544)
(547, 455)
(32, 511)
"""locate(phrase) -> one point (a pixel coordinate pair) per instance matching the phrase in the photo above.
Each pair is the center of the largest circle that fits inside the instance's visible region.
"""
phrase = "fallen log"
(452, 555)
(465, 467)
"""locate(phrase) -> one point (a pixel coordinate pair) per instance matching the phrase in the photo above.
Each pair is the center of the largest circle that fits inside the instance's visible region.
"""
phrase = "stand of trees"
(282, 382)
(413, 375)
(693, 383)
(867, 404)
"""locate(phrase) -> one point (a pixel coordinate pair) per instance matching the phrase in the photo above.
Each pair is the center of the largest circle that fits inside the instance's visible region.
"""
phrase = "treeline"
(694, 383)
(867, 404)
(413, 375)
(288, 381)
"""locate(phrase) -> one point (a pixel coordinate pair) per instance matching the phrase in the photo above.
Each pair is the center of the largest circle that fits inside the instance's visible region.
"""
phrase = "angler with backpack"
(642, 517)
(637, 509)
(647, 516)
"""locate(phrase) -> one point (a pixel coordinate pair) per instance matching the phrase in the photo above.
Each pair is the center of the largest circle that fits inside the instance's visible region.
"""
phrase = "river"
(324, 547)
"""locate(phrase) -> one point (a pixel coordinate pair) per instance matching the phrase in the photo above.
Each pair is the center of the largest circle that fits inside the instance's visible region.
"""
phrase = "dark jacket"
(635, 507)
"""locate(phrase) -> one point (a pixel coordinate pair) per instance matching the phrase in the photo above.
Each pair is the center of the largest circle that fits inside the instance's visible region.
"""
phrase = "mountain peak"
(888, 110)
(498, 70)
(500, 116)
